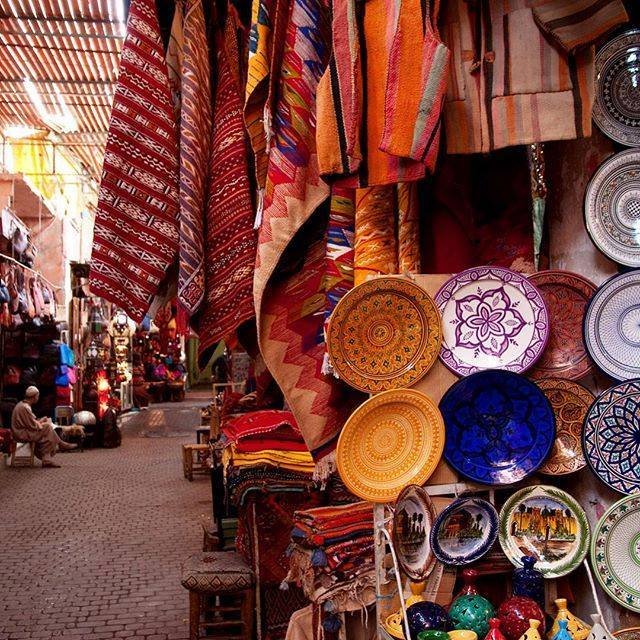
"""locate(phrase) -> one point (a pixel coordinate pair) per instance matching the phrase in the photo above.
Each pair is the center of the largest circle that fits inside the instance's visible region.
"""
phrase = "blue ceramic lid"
(464, 531)
(500, 427)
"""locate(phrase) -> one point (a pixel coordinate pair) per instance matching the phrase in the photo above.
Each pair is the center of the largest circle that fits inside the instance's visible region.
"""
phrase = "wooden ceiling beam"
(56, 19)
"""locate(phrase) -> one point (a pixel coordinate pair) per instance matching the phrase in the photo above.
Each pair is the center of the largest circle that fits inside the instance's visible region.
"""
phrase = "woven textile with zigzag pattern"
(290, 312)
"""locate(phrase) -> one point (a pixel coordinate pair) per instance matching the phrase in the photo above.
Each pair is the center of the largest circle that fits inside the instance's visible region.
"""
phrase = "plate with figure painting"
(492, 318)
(464, 531)
(547, 523)
(413, 518)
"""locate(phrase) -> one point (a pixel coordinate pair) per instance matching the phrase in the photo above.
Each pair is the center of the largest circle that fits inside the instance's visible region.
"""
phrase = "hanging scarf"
(414, 101)
(136, 230)
(195, 134)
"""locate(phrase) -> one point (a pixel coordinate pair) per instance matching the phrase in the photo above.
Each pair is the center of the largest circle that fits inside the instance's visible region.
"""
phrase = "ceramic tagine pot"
(563, 631)
(598, 631)
(532, 632)
(417, 589)
(578, 629)
(471, 613)
(425, 615)
(514, 614)
(469, 577)
(528, 581)
(494, 630)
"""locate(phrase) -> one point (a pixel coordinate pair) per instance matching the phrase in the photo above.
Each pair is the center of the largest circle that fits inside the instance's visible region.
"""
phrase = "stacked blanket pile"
(269, 476)
(268, 438)
(332, 556)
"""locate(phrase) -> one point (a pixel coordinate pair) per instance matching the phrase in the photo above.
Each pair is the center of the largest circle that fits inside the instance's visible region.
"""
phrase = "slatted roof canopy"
(69, 50)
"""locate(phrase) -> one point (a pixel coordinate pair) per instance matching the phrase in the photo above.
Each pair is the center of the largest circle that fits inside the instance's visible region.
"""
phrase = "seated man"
(25, 427)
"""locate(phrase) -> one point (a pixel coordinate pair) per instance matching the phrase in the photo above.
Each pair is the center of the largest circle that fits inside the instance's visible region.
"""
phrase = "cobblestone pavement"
(93, 550)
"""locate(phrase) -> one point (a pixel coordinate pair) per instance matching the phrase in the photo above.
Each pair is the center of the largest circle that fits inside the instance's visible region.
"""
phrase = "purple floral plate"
(492, 318)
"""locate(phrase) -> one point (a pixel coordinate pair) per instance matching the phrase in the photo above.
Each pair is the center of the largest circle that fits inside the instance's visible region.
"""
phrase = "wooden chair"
(23, 461)
(221, 596)
(195, 459)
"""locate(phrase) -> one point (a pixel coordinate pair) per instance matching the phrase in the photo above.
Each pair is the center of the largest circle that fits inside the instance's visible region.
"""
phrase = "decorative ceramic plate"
(492, 318)
(612, 207)
(393, 439)
(464, 531)
(384, 334)
(566, 295)
(570, 402)
(612, 326)
(615, 552)
(548, 524)
(611, 437)
(632, 633)
(500, 427)
(413, 518)
(617, 106)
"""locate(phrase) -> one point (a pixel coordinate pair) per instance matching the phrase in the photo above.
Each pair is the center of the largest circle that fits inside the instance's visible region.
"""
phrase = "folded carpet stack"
(269, 438)
(332, 557)
(269, 476)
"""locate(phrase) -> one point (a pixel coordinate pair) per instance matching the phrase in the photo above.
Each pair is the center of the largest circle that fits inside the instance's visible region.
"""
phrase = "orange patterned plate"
(394, 439)
(570, 402)
(384, 334)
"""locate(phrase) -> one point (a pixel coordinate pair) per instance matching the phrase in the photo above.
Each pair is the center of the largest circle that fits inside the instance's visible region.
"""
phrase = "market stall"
(431, 210)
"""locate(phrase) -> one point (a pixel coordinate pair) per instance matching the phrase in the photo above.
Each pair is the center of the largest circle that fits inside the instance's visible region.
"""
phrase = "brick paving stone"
(93, 550)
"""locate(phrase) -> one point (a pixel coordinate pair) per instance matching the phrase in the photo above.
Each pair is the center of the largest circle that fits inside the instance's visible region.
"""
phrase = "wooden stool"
(23, 461)
(220, 586)
(198, 465)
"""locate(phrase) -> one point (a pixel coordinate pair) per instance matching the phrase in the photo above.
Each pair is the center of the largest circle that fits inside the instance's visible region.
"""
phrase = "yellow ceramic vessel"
(532, 632)
(578, 629)
(463, 634)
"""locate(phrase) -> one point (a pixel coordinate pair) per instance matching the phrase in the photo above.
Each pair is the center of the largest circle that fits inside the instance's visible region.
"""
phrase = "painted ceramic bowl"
(471, 613)
(426, 615)
(464, 531)
(514, 615)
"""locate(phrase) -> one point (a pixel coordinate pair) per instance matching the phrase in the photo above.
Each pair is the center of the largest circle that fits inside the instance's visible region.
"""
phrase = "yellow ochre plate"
(393, 439)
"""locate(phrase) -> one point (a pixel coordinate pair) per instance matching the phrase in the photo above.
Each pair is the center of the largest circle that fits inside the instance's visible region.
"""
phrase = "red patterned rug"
(136, 230)
(195, 136)
(230, 241)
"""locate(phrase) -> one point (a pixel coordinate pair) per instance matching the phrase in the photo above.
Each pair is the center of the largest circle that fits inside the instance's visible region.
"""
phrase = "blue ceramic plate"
(611, 437)
(464, 531)
(500, 427)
